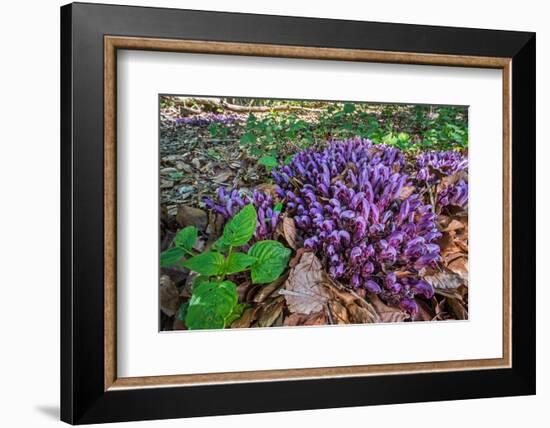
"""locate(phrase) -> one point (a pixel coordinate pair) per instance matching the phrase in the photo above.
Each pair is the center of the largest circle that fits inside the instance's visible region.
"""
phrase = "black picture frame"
(83, 398)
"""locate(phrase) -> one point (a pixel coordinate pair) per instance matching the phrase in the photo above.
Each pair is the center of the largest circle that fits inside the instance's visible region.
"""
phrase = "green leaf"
(198, 280)
(268, 161)
(237, 262)
(404, 137)
(240, 228)
(235, 314)
(278, 207)
(186, 237)
(248, 138)
(220, 245)
(272, 260)
(182, 311)
(211, 305)
(176, 176)
(349, 108)
(171, 256)
(208, 264)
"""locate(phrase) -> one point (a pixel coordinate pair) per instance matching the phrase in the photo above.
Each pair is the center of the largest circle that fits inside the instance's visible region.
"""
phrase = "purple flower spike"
(372, 286)
(423, 288)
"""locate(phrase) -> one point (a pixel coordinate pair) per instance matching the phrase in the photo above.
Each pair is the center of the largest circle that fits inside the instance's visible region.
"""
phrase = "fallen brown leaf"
(454, 225)
(270, 312)
(458, 309)
(289, 232)
(304, 291)
(297, 257)
(460, 267)
(339, 313)
(267, 290)
(246, 319)
(385, 312)
(169, 296)
(267, 188)
(316, 318)
(445, 283)
(424, 313)
(222, 177)
(362, 314)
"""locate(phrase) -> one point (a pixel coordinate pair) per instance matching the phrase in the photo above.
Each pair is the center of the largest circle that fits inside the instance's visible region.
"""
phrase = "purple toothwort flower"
(229, 202)
(350, 213)
(434, 165)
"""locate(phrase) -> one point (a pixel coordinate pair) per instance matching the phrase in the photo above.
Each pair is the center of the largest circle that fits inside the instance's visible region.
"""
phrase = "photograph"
(286, 212)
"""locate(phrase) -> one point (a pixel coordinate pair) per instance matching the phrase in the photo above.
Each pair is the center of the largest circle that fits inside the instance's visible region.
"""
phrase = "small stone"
(196, 163)
(166, 184)
(185, 189)
(190, 216)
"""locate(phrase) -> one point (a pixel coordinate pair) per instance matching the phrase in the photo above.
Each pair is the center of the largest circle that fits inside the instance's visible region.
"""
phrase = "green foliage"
(271, 260)
(171, 256)
(268, 161)
(212, 305)
(214, 300)
(176, 176)
(238, 262)
(210, 263)
(274, 137)
(240, 228)
(184, 241)
(219, 130)
(186, 238)
(278, 207)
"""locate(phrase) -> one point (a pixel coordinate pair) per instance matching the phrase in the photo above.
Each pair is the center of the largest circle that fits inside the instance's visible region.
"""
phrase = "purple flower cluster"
(346, 201)
(208, 118)
(455, 194)
(446, 163)
(230, 202)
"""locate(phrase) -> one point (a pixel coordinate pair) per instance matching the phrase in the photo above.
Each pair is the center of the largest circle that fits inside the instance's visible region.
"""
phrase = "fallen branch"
(263, 109)
(217, 103)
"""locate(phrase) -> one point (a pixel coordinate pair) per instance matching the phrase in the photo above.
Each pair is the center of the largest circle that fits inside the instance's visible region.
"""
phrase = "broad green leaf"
(211, 305)
(272, 260)
(171, 256)
(268, 161)
(186, 237)
(240, 228)
(237, 262)
(235, 314)
(208, 264)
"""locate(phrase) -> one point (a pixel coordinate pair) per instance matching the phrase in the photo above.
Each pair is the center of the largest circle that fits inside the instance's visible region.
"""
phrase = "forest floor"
(194, 164)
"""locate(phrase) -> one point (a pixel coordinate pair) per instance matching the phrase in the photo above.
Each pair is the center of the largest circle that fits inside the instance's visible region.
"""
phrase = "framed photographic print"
(273, 213)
